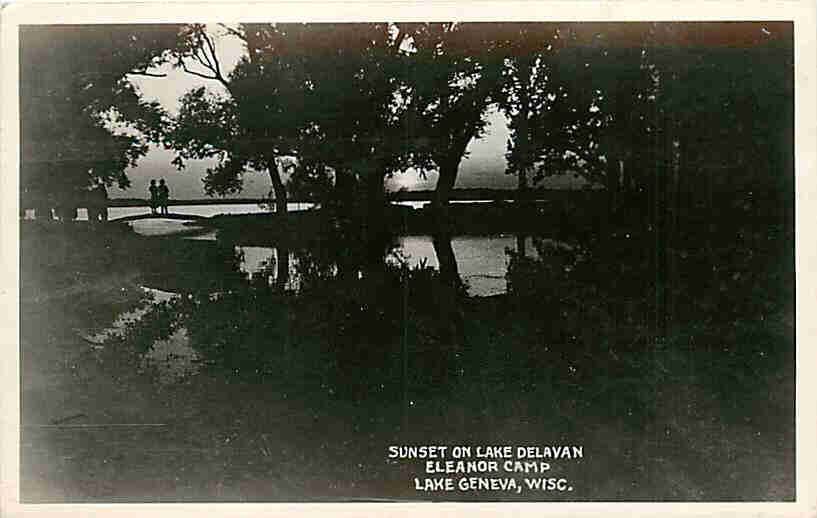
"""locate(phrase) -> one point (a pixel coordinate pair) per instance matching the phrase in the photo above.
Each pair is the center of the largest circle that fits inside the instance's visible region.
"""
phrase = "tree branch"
(145, 73)
(238, 34)
(202, 57)
(199, 74)
(212, 47)
(198, 56)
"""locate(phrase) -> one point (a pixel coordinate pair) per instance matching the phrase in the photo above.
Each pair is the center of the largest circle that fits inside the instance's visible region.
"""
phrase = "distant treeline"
(140, 202)
(472, 194)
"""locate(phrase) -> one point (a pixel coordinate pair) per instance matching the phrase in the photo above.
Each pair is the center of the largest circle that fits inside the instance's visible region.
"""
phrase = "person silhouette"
(102, 200)
(97, 203)
(164, 196)
(154, 196)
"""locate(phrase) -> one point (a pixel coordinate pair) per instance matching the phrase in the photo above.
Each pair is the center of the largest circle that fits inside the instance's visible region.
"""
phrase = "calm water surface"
(194, 210)
(482, 260)
(229, 208)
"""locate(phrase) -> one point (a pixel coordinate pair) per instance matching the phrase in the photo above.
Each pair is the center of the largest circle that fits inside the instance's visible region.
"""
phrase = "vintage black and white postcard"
(377, 255)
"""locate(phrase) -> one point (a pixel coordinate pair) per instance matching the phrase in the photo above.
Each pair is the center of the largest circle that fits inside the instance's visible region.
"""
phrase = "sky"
(484, 165)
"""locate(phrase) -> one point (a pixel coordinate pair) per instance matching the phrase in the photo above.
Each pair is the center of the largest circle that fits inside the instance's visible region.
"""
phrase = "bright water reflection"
(482, 260)
(163, 227)
(193, 210)
(262, 262)
(171, 358)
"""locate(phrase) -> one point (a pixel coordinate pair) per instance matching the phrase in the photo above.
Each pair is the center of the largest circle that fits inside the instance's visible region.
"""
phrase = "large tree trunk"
(445, 183)
(376, 223)
(449, 165)
(450, 312)
(282, 267)
(449, 270)
(278, 188)
(375, 193)
(42, 211)
(522, 185)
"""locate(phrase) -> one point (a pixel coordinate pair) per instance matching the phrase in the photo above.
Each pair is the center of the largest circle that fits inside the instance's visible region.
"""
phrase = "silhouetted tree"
(76, 103)
(524, 95)
(251, 127)
(455, 75)
(325, 94)
(354, 106)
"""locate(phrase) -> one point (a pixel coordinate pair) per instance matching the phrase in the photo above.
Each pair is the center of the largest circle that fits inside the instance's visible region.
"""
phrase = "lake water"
(172, 357)
(194, 210)
(482, 260)
(227, 208)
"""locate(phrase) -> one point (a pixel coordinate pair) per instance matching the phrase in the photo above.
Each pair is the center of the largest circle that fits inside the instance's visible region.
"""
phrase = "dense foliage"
(76, 103)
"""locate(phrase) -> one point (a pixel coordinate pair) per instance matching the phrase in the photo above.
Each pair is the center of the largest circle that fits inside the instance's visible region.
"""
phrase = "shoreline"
(478, 195)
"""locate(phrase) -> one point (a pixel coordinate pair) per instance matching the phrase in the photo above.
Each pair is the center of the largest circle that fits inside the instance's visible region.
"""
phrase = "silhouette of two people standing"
(159, 196)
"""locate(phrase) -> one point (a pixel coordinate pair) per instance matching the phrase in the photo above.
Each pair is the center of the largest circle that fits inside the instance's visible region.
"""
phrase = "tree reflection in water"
(575, 328)
(339, 327)
(573, 347)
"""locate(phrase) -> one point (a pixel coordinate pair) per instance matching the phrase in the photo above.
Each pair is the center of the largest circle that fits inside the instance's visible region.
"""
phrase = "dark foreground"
(295, 393)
